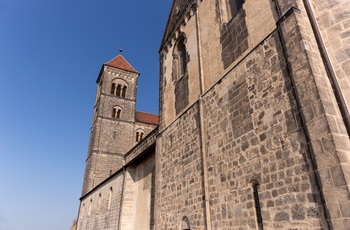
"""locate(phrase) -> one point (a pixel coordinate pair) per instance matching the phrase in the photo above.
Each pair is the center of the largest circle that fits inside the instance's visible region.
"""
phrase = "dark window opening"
(234, 6)
(137, 136)
(124, 91)
(257, 206)
(114, 113)
(182, 58)
(118, 113)
(119, 88)
(113, 89)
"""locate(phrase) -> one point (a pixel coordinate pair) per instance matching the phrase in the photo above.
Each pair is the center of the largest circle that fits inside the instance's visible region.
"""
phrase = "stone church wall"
(333, 18)
(254, 133)
(254, 111)
(178, 177)
(137, 203)
(121, 203)
(100, 209)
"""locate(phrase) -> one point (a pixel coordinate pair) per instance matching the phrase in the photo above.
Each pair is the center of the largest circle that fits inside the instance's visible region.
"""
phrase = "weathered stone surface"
(251, 135)
(281, 216)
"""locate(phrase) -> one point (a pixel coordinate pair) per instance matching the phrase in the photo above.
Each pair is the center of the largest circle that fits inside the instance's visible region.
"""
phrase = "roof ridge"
(146, 112)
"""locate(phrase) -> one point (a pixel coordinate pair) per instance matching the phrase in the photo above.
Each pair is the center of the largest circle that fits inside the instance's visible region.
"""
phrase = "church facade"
(253, 127)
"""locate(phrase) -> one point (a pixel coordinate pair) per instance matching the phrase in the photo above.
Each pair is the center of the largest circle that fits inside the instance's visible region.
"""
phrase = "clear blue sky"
(51, 52)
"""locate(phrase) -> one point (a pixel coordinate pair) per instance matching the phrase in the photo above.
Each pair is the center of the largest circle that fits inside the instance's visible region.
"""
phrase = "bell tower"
(111, 134)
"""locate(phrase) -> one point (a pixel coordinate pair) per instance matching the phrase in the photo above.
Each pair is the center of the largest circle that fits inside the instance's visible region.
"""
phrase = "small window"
(137, 136)
(124, 91)
(114, 134)
(229, 9)
(119, 89)
(185, 225)
(113, 89)
(98, 204)
(233, 6)
(257, 205)
(182, 64)
(90, 207)
(116, 113)
(82, 211)
(110, 198)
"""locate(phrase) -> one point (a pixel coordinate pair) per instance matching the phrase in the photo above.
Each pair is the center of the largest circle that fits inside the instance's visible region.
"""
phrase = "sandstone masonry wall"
(333, 17)
(178, 179)
(254, 133)
(100, 209)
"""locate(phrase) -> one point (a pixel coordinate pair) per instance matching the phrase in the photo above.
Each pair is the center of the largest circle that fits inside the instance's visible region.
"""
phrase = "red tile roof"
(120, 63)
(147, 118)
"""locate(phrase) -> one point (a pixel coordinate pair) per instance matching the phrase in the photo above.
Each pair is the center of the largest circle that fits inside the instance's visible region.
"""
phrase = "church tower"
(112, 130)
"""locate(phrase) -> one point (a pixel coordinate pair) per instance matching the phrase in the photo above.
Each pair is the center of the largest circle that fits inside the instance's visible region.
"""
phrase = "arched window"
(182, 59)
(110, 198)
(116, 112)
(232, 8)
(98, 203)
(113, 89)
(257, 205)
(124, 91)
(119, 89)
(90, 207)
(185, 225)
(82, 212)
(137, 136)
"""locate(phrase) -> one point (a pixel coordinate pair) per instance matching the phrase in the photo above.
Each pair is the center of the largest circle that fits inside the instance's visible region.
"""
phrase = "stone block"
(298, 212)
(281, 216)
(338, 176)
(345, 209)
(326, 178)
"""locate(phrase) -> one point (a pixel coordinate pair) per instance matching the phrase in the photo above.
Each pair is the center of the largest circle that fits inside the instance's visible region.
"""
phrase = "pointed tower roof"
(120, 63)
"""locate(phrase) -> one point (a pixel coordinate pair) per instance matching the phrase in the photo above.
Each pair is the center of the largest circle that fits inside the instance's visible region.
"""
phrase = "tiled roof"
(120, 63)
(147, 118)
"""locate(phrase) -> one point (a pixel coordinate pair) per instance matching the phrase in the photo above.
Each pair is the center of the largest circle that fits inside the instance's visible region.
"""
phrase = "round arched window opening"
(185, 225)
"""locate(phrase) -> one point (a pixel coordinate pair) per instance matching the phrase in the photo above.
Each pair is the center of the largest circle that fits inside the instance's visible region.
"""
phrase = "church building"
(253, 126)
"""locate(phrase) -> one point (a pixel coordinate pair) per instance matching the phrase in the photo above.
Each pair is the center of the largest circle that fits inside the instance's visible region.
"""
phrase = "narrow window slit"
(257, 206)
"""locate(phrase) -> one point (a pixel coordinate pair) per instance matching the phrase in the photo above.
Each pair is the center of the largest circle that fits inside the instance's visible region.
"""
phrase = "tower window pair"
(118, 90)
(116, 113)
(139, 135)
